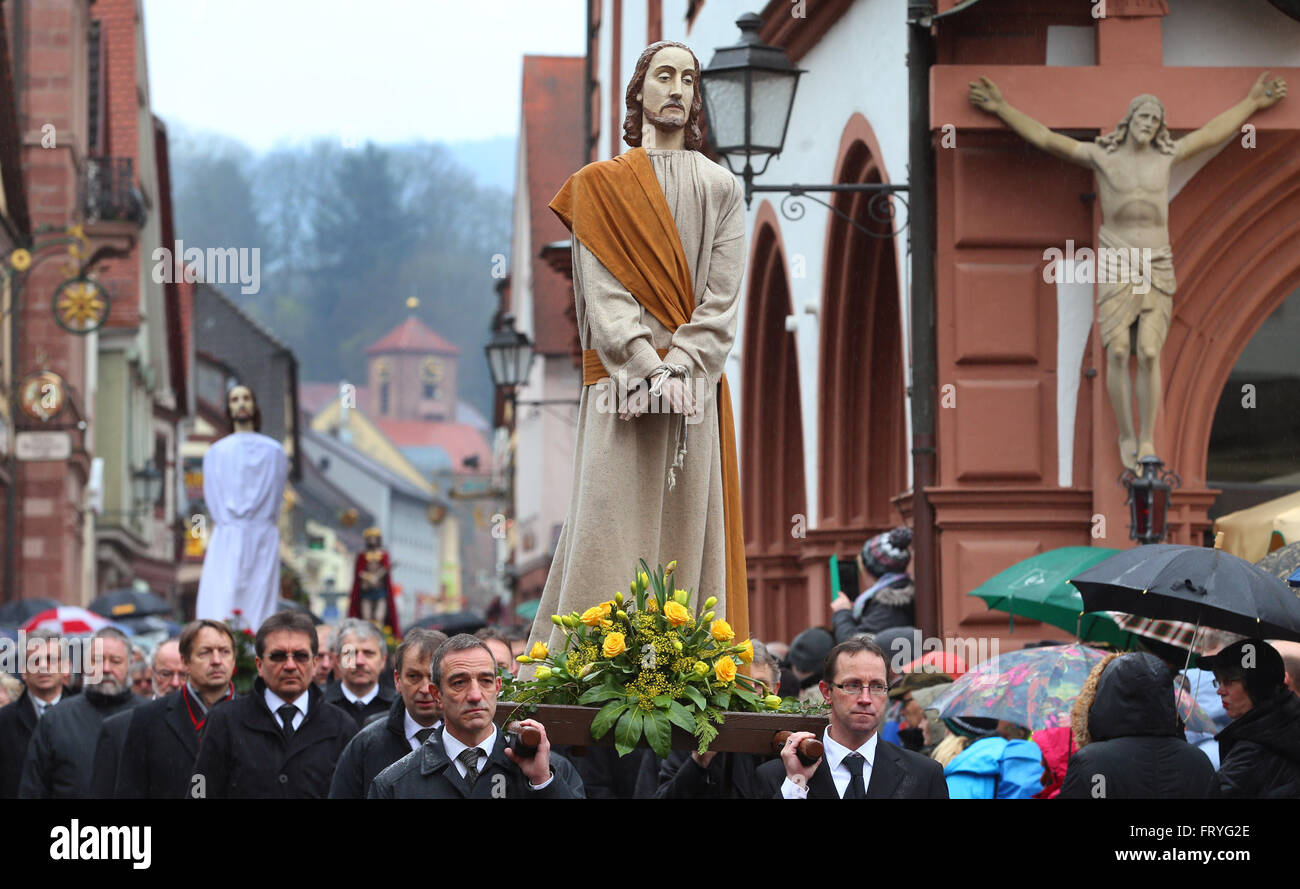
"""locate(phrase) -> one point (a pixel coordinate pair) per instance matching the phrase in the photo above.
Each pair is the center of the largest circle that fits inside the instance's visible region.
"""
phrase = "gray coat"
(427, 773)
(61, 754)
(371, 750)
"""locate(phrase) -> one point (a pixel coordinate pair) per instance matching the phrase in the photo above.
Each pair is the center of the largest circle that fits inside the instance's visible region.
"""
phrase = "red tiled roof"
(459, 440)
(412, 335)
(552, 112)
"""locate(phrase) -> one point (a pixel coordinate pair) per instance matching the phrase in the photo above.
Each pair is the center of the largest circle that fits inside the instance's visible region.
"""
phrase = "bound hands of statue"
(795, 770)
(1267, 91)
(984, 94)
(675, 394)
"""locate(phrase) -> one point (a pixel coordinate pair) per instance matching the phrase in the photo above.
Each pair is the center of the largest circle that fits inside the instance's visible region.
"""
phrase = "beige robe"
(621, 509)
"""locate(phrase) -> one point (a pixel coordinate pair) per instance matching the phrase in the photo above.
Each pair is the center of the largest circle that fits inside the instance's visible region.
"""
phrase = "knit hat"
(888, 552)
(809, 649)
(971, 726)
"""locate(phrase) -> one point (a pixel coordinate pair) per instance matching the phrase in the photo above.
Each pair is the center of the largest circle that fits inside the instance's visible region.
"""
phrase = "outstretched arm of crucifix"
(985, 95)
(1266, 92)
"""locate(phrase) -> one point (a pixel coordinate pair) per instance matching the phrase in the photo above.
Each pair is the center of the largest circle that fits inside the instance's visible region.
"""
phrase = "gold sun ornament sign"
(80, 305)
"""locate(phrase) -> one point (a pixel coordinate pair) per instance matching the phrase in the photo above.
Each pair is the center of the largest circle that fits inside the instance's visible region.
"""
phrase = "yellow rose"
(725, 669)
(543, 673)
(539, 652)
(746, 652)
(614, 645)
(676, 614)
(595, 615)
(772, 702)
(701, 669)
(722, 631)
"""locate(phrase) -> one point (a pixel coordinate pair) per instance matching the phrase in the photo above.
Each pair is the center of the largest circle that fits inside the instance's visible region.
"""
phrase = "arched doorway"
(772, 459)
(862, 441)
(1236, 231)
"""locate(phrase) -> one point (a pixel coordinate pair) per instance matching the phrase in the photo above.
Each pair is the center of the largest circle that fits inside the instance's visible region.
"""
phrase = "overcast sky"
(271, 71)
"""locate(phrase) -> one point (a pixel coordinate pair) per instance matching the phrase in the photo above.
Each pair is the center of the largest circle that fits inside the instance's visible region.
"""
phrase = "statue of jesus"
(1132, 165)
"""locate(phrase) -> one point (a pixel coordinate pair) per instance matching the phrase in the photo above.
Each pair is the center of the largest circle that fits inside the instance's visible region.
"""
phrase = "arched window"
(431, 379)
(384, 375)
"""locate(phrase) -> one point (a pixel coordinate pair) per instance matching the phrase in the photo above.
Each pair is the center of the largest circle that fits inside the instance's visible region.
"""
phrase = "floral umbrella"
(1035, 688)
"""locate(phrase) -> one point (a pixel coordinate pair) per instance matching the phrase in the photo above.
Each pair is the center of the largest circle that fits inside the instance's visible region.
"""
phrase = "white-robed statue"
(243, 485)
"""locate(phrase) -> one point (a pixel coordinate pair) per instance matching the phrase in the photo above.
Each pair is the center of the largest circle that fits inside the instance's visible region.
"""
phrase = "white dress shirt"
(364, 699)
(41, 706)
(275, 702)
(834, 756)
(412, 728)
(454, 748)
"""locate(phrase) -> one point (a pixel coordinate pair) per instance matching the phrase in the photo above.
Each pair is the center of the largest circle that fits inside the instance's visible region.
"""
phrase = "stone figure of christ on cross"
(1132, 166)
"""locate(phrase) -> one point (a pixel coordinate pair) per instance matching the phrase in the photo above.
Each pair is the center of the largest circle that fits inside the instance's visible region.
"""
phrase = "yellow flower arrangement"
(649, 661)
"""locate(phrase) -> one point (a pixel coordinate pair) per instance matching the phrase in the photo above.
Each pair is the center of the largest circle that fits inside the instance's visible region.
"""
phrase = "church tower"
(412, 375)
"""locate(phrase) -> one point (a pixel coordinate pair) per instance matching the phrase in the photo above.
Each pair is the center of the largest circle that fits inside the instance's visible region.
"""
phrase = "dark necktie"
(423, 735)
(854, 763)
(286, 718)
(469, 758)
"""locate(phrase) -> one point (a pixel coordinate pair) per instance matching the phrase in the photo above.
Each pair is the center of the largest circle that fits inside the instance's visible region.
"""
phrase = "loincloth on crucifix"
(1132, 282)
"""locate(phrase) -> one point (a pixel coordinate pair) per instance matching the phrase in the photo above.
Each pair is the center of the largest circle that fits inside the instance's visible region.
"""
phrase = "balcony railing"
(109, 192)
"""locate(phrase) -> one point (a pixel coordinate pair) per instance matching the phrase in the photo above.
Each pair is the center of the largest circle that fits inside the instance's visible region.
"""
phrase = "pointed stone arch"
(772, 456)
(862, 435)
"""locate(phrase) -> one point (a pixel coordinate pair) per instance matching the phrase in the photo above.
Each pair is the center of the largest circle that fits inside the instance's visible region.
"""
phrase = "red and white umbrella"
(67, 620)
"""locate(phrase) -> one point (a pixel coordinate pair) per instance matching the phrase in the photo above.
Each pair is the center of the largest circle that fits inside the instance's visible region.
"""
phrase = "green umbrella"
(1038, 588)
(528, 610)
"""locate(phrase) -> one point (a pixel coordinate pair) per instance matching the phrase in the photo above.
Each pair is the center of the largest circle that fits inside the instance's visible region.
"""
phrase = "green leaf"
(605, 718)
(628, 731)
(747, 696)
(659, 732)
(663, 701)
(598, 694)
(694, 694)
(681, 717)
(722, 699)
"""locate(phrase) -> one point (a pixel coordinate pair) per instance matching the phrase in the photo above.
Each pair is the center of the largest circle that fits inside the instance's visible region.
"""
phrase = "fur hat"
(889, 552)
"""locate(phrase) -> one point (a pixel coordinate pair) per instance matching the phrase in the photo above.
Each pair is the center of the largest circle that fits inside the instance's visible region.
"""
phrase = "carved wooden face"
(240, 403)
(668, 89)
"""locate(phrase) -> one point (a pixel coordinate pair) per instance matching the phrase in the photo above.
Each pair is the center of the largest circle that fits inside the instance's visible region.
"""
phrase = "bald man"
(1290, 652)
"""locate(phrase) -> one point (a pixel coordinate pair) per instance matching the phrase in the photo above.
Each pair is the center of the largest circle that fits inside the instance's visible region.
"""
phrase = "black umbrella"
(117, 604)
(19, 611)
(453, 622)
(1194, 584)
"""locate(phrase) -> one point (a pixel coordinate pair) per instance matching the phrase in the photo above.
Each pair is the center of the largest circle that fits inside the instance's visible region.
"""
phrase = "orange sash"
(617, 210)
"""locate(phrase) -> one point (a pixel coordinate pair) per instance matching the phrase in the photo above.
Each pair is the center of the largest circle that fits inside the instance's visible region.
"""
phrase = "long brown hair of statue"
(632, 122)
(257, 409)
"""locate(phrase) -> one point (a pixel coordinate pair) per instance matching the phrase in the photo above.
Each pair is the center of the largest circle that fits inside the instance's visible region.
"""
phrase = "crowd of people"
(332, 713)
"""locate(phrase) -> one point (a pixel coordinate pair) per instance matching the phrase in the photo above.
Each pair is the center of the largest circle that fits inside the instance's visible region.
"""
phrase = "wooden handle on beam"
(810, 749)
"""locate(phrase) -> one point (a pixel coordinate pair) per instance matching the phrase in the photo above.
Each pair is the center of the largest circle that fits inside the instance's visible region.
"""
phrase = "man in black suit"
(44, 674)
(283, 740)
(468, 757)
(360, 652)
(161, 739)
(857, 764)
(410, 721)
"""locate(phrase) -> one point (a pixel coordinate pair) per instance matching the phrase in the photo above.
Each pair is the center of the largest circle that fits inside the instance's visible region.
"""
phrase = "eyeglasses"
(854, 688)
(279, 657)
(1218, 682)
(168, 675)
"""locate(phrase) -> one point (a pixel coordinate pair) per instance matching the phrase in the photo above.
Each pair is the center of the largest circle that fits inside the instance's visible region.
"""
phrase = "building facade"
(1025, 450)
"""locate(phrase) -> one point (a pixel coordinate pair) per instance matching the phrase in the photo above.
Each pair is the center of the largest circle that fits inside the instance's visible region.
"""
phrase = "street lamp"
(509, 355)
(1148, 500)
(146, 486)
(749, 93)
